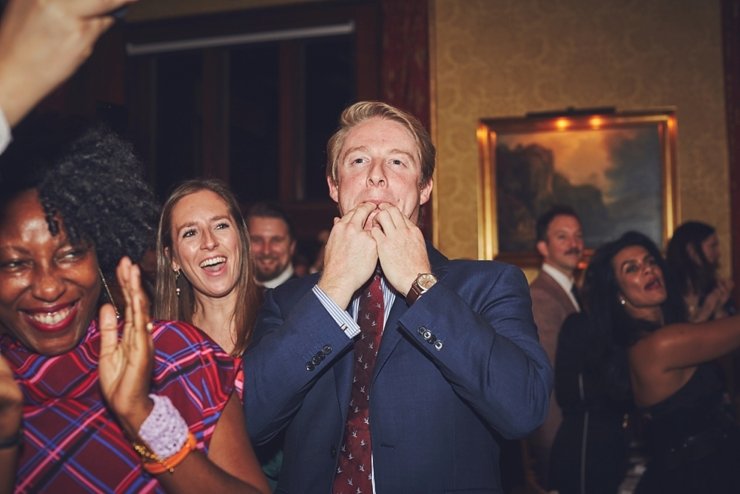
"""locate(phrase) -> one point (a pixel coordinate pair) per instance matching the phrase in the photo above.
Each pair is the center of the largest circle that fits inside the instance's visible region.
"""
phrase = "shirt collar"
(279, 280)
(566, 282)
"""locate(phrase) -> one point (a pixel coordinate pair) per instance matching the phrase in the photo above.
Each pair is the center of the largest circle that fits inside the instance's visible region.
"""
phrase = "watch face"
(426, 281)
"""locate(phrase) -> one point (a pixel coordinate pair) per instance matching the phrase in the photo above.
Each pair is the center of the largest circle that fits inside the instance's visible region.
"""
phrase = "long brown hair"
(167, 304)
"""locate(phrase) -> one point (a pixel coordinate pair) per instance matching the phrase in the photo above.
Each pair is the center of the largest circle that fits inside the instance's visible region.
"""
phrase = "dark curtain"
(404, 67)
(405, 56)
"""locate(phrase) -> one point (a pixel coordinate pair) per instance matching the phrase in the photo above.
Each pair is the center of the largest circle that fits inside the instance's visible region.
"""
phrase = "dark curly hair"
(88, 176)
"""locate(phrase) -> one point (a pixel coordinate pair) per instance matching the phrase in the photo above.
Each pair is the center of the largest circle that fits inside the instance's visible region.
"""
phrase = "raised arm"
(41, 44)
(678, 346)
(664, 360)
(482, 314)
(125, 370)
(490, 353)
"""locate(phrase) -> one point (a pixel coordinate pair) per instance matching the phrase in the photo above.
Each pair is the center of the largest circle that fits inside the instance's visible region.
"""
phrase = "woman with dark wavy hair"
(88, 401)
(693, 442)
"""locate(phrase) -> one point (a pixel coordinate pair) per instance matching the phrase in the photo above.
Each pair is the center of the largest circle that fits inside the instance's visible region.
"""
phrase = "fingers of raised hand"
(108, 328)
(391, 212)
(137, 304)
(358, 216)
(402, 253)
(140, 307)
(123, 273)
(91, 8)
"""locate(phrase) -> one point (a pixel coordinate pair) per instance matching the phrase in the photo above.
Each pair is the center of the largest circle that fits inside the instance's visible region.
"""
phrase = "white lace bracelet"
(164, 430)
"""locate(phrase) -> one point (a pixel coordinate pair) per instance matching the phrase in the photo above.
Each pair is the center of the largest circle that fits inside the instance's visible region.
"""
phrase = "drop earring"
(622, 300)
(177, 278)
(108, 293)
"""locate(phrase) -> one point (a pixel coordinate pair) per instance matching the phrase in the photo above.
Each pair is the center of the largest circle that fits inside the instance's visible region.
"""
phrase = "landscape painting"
(615, 170)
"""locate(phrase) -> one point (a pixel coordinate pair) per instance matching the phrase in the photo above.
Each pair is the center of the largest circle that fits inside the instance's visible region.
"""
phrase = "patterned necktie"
(354, 471)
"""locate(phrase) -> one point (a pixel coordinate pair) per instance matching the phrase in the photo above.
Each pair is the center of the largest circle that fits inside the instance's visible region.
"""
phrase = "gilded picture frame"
(617, 170)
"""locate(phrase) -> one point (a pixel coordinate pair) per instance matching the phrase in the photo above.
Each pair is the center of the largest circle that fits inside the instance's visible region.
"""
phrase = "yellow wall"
(494, 58)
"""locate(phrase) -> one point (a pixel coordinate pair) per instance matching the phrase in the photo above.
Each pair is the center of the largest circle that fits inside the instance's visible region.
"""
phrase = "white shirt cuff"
(340, 316)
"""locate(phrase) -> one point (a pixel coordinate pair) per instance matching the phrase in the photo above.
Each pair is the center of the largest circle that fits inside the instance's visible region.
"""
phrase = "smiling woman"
(96, 390)
(47, 313)
(204, 264)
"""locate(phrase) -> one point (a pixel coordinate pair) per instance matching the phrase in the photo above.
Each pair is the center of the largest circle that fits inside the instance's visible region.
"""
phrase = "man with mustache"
(554, 298)
(273, 244)
(395, 370)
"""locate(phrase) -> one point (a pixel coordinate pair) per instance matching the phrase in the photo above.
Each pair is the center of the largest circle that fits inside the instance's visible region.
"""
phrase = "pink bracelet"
(164, 430)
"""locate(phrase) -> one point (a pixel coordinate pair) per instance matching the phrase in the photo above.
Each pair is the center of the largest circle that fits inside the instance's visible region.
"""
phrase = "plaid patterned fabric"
(71, 442)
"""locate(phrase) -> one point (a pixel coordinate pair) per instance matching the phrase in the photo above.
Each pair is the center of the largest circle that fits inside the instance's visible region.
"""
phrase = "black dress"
(693, 442)
(590, 451)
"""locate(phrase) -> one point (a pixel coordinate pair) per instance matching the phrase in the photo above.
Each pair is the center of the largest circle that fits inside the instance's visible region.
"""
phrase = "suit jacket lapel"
(391, 332)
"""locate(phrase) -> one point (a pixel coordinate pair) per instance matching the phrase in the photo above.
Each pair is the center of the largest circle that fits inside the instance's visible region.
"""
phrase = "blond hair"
(364, 110)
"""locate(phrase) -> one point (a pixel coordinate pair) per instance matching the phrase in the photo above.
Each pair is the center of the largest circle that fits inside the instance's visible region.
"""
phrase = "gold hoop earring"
(108, 293)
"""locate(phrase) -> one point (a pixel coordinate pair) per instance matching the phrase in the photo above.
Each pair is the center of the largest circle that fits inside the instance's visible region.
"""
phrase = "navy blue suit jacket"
(436, 411)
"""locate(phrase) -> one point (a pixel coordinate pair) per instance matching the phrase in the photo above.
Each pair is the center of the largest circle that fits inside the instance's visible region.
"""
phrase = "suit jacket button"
(327, 349)
(421, 330)
(310, 367)
(438, 345)
(432, 339)
(316, 360)
(427, 334)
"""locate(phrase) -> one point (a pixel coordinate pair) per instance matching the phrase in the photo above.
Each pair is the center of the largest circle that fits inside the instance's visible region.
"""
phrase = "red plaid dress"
(71, 441)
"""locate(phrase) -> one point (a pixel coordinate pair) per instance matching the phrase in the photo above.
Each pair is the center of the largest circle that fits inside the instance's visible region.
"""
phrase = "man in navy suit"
(459, 365)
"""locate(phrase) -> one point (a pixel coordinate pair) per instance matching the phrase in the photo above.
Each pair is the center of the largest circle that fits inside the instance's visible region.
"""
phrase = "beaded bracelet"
(12, 441)
(156, 465)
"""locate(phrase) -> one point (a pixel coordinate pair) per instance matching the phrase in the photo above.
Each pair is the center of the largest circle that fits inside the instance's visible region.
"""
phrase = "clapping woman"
(109, 405)
(693, 255)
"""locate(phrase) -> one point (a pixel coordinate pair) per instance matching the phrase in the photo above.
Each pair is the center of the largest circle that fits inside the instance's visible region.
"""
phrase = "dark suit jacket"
(436, 411)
